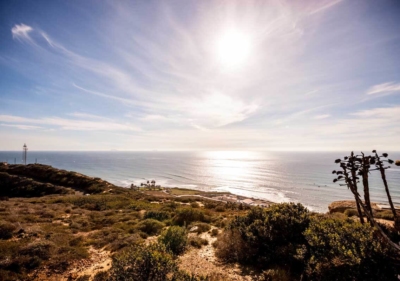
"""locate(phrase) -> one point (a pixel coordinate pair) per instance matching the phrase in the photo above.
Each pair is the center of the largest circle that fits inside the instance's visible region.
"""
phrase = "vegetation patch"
(174, 239)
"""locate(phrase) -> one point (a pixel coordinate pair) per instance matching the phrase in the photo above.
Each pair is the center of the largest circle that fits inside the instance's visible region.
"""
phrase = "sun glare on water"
(233, 49)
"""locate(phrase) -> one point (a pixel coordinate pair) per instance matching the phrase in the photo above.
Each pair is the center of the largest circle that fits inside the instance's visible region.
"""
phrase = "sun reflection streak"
(231, 165)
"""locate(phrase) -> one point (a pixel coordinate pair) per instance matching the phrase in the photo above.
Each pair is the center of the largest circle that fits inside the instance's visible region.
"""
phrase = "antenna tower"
(24, 153)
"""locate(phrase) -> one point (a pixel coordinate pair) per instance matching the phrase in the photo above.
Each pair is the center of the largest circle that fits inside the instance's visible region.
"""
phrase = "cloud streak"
(22, 127)
(68, 124)
(384, 89)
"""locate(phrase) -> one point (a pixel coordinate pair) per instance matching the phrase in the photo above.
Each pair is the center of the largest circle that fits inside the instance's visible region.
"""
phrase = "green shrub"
(187, 216)
(174, 239)
(386, 215)
(184, 276)
(141, 263)
(41, 249)
(346, 250)
(150, 226)
(83, 278)
(157, 215)
(214, 232)
(275, 274)
(118, 244)
(391, 232)
(351, 213)
(170, 206)
(101, 276)
(6, 230)
(211, 204)
(194, 205)
(271, 236)
(201, 227)
(197, 242)
(231, 247)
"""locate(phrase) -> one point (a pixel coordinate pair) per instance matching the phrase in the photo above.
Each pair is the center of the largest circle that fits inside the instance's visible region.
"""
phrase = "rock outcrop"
(341, 206)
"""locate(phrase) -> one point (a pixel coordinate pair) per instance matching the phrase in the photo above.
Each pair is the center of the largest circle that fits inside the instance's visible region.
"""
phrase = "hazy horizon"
(200, 75)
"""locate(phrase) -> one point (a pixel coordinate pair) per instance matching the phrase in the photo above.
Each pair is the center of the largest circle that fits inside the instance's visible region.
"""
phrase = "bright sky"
(200, 75)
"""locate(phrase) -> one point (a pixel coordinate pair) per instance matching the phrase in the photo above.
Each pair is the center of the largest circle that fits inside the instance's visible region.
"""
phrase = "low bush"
(386, 215)
(157, 215)
(41, 249)
(275, 274)
(391, 232)
(83, 278)
(197, 242)
(101, 276)
(194, 205)
(214, 232)
(347, 250)
(272, 235)
(186, 216)
(351, 213)
(6, 230)
(150, 226)
(174, 239)
(201, 227)
(141, 263)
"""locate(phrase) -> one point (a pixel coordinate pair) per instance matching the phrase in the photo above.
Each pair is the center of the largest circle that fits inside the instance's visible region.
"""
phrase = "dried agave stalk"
(379, 164)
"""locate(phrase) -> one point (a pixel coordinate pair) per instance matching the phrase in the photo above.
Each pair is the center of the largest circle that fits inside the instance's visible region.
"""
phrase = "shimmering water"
(275, 176)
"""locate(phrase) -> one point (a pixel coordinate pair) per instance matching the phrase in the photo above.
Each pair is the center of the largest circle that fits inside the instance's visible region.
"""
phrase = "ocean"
(276, 176)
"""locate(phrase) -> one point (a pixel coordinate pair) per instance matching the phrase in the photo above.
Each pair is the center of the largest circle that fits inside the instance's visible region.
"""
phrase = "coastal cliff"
(37, 180)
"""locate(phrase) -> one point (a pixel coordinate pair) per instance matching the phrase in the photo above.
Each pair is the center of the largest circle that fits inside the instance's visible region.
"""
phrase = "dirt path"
(99, 260)
(203, 262)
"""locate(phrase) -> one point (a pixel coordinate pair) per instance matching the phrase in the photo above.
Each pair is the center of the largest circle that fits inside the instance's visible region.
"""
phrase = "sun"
(233, 49)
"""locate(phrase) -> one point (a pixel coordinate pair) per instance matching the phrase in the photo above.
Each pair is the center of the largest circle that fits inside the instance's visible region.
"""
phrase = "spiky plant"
(363, 170)
(347, 178)
(380, 166)
(348, 175)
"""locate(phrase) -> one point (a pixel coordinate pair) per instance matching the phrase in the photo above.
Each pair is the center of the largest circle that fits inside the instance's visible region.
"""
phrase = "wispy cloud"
(384, 89)
(390, 113)
(325, 6)
(87, 115)
(22, 127)
(71, 124)
(217, 110)
(21, 32)
(323, 116)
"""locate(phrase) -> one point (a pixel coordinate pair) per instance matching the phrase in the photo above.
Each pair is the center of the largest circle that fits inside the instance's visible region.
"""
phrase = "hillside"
(117, 233)
(38, 180)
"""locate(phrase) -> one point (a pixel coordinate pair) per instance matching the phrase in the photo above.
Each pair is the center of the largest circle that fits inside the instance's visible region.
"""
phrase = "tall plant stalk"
(352, 184)
(379, 164)
(365, 170)
(349, 183)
